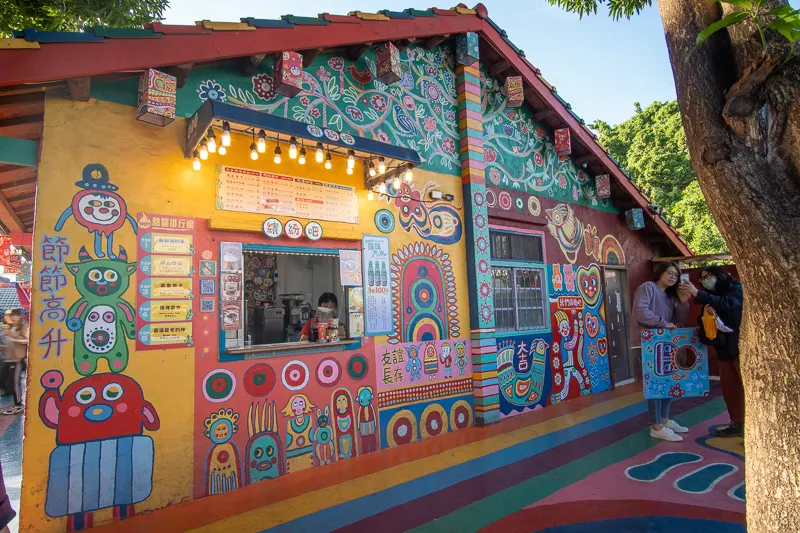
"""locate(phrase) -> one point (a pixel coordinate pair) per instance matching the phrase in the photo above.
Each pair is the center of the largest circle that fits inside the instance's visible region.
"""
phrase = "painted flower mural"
(520, 156)
(419, 112)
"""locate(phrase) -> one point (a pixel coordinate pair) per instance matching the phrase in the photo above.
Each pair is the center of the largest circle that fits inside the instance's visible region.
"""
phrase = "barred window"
(519, 295)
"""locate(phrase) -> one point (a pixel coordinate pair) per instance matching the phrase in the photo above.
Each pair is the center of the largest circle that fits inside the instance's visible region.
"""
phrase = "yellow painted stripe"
(369, 16)
(18, 44)
(225, 26)
(312, 502)
(484, 375)
(469, 97)
(465, 11)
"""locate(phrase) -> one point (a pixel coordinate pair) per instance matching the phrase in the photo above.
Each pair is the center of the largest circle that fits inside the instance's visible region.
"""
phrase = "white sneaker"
(677, 428)
(665, 434)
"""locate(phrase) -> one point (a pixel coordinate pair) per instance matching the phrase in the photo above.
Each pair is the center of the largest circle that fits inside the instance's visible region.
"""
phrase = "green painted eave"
(21, 152)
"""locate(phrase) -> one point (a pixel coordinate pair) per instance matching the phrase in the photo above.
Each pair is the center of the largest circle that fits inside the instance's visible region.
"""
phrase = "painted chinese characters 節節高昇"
(402, 365)
(51, 279)
(101, 459)
(423, 285)
(579, 347)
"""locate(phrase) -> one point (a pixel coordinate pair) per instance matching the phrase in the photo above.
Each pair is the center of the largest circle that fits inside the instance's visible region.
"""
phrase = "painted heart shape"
(589, 284)
(602, 346)
(592, 325)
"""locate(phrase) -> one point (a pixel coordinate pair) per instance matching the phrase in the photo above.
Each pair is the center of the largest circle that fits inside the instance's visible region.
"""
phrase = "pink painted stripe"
(469, 87)
(491, 390)
(470, 113)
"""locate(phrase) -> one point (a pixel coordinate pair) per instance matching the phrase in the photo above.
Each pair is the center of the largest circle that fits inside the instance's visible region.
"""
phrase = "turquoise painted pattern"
(418, 112)
(519, 155)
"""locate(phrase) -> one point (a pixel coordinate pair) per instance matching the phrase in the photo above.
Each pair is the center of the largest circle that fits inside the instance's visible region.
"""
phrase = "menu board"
(254, 191)
(378, 293)
(165, 295)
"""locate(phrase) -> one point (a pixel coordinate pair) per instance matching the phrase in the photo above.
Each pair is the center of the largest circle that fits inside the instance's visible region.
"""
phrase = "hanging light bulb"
(409, 174)
(222, 150)
(396, 183)
(226, 134)
(204, 149)
(212, 142)
(320, 153)
(277, 158)
(302, 158)
(370, 195)
(292, 148)
(351, 159)
(262, 142)
(253, 151)
(372, 170)
(349, 171)
(328, 163)
(381, 166)
(196, 160)
(382, 188)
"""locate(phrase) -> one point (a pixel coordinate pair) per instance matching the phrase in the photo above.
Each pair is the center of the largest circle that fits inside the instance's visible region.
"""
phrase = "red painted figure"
(367, 420)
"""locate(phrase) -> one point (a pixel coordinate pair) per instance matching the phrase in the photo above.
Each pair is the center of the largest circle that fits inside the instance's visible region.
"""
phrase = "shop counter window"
(518, 282)
(269, 294)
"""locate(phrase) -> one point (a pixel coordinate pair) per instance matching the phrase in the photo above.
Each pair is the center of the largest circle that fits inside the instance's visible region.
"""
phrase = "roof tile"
(17, 44)
(225, 26)
(419, 12)
(369, 16)
(396, 14)
(305, 21)
(125, 33)
(59, 36)
(267, 23)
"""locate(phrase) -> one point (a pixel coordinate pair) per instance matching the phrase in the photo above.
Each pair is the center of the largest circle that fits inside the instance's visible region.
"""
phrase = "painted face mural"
(265, 457)
(425, 307)
(101, 319)
(344, 424)
(222, 463)
(98, 209)
(102, 459)
(367, 420)
(299, 433)
(324, 442)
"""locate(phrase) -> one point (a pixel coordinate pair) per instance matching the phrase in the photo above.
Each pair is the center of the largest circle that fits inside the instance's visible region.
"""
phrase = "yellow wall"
(147, 164)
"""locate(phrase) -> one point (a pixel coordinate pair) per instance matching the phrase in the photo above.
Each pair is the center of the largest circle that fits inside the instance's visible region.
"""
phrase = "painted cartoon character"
(299, 433)
(102, 459)
(461, 356)
(433, 221)
(566, 229)
(344, 426)
(264, 450)
(430, 361)
(101, 319)
(367, 420)
(222, 463)
(323, 438)
(414, 365)
(446, 360)
(98, 209)
(571, 344)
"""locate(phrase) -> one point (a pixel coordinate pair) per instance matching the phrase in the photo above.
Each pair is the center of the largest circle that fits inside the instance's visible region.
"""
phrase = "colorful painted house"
(198, 189)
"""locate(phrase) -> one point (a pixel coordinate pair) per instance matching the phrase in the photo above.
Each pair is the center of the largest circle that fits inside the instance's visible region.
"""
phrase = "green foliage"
(651, 148)
(75, 15)
(616, 8)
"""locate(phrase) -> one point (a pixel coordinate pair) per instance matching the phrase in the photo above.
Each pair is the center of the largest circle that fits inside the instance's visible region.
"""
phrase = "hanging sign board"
(377, 290)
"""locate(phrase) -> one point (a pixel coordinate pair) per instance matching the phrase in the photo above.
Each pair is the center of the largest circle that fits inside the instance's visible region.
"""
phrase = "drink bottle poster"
(377, 290)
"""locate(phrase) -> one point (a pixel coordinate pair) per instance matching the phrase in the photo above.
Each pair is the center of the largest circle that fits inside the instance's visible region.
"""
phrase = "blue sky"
(598, 65)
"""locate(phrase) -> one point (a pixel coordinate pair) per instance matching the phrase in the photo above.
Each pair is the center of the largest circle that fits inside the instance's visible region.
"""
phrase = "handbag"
(708, 332)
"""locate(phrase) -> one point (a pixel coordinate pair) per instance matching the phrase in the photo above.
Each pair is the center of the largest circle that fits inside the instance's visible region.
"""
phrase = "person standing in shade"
(7, 513)
(725, 296)
(16, 340)
(660, 304)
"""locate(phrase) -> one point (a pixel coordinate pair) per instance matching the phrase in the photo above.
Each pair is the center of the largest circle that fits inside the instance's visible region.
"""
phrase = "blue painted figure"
(414, 365)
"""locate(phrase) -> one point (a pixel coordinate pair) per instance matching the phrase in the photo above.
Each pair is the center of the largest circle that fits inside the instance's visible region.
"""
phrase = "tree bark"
(742, 122)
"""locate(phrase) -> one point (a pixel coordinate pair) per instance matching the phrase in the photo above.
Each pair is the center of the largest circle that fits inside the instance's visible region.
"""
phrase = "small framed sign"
(313, 231)
(273, 228)
(294, 229)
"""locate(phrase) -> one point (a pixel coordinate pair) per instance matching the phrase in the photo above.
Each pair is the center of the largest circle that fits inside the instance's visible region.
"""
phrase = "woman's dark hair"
(724, 279)
(671, 291)
(16, 312)
(328, 297)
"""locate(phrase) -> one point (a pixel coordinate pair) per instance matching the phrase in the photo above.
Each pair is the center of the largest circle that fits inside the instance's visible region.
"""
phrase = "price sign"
(272, 228)
(294, 229)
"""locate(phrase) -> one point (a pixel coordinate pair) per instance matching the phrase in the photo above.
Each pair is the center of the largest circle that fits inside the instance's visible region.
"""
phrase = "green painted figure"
(101, 320)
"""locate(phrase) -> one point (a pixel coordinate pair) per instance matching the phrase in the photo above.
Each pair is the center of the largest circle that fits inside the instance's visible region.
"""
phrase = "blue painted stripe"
(108, 471)
(60, 36)
(143, 466)
(122, 491)
(91, 476)
(58, 482)
(267, 23)
(75, 501)
(350, 512)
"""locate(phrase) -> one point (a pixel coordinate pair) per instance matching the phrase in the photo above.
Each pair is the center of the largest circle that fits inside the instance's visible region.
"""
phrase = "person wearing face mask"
(326, 309)
(725, 296)
(659, 304)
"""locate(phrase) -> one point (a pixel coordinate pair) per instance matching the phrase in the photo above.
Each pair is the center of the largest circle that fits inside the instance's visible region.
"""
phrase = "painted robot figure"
(101, 459)
(570, 346)
(299, 433)
(367, 420)
(98, 208)
(430, 362)
(264, 452)
(345, 425)
(446, 360)
(461, 356)
(222, 463)
(414, 365)
(323, 438)
(101, 319)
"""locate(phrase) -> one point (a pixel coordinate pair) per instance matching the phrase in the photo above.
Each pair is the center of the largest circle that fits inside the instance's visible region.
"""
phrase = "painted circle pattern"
(272, 228)
(534, 207)
(332, 135)
(504, 201)
(519, 203)
(294, 375)
(259, 380)
(491, 198)
(313, 230)
(294, 229)
(480, 221)
(329, 372)
(347, 139)
(433, 421)
(460, 415)
(357, 366)
(219, 385)
(402, 428)
(384, 221)
(316, 131)
(479, 198)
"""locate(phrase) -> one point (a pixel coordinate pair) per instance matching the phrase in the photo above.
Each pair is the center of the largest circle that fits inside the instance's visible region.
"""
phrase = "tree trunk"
(741, 114)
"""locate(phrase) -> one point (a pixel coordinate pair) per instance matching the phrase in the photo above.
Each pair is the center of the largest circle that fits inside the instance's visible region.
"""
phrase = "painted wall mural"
(524, 372)
(423, 294)
(579, 346)
(570, 233)
(519, 156)
(437, 221)
(675, 364)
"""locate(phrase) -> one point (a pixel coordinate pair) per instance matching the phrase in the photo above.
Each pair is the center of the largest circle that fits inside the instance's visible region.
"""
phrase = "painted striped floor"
(563, 469)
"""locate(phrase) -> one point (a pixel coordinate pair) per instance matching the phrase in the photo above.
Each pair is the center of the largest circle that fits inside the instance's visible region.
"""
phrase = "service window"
(518, 278)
